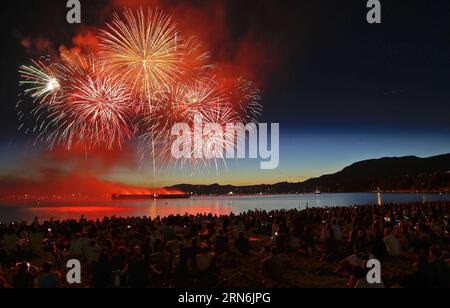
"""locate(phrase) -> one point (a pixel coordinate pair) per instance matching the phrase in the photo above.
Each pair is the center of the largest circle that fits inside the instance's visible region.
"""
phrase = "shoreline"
(215, 205)
(87, 200)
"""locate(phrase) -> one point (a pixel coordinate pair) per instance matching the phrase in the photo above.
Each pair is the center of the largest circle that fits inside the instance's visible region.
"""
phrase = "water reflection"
(213, 205)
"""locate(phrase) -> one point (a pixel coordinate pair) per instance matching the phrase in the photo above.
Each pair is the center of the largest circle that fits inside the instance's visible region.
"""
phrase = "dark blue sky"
(349, 76)
(342, 90)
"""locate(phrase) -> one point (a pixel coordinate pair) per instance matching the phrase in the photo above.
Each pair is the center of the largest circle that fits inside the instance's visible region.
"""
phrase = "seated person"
(392, 243)
(221, 242)
(78, 244)
(36, 239)
(47, 279)
(272, 266)
(204, 259)
(10, 241)
(242, 244)
(23, 279)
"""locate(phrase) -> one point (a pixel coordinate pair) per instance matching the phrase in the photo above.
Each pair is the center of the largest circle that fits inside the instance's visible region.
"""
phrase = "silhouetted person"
(47, 279)
(138, 270)
(102, 272)
(23, 278)
(242, 244)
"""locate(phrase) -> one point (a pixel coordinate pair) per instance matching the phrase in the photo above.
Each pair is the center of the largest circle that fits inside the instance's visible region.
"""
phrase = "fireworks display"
(145, 48)
(42, 82)
(99, 106)
(145, 78)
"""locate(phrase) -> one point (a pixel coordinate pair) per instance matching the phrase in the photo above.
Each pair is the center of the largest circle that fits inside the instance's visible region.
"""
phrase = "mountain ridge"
(408, 173)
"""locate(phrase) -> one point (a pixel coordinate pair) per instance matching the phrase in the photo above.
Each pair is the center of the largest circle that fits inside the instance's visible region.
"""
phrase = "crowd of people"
(222, 251)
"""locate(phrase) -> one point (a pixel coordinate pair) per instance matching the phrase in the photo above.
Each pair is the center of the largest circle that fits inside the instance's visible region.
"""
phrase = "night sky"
(341, 89)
